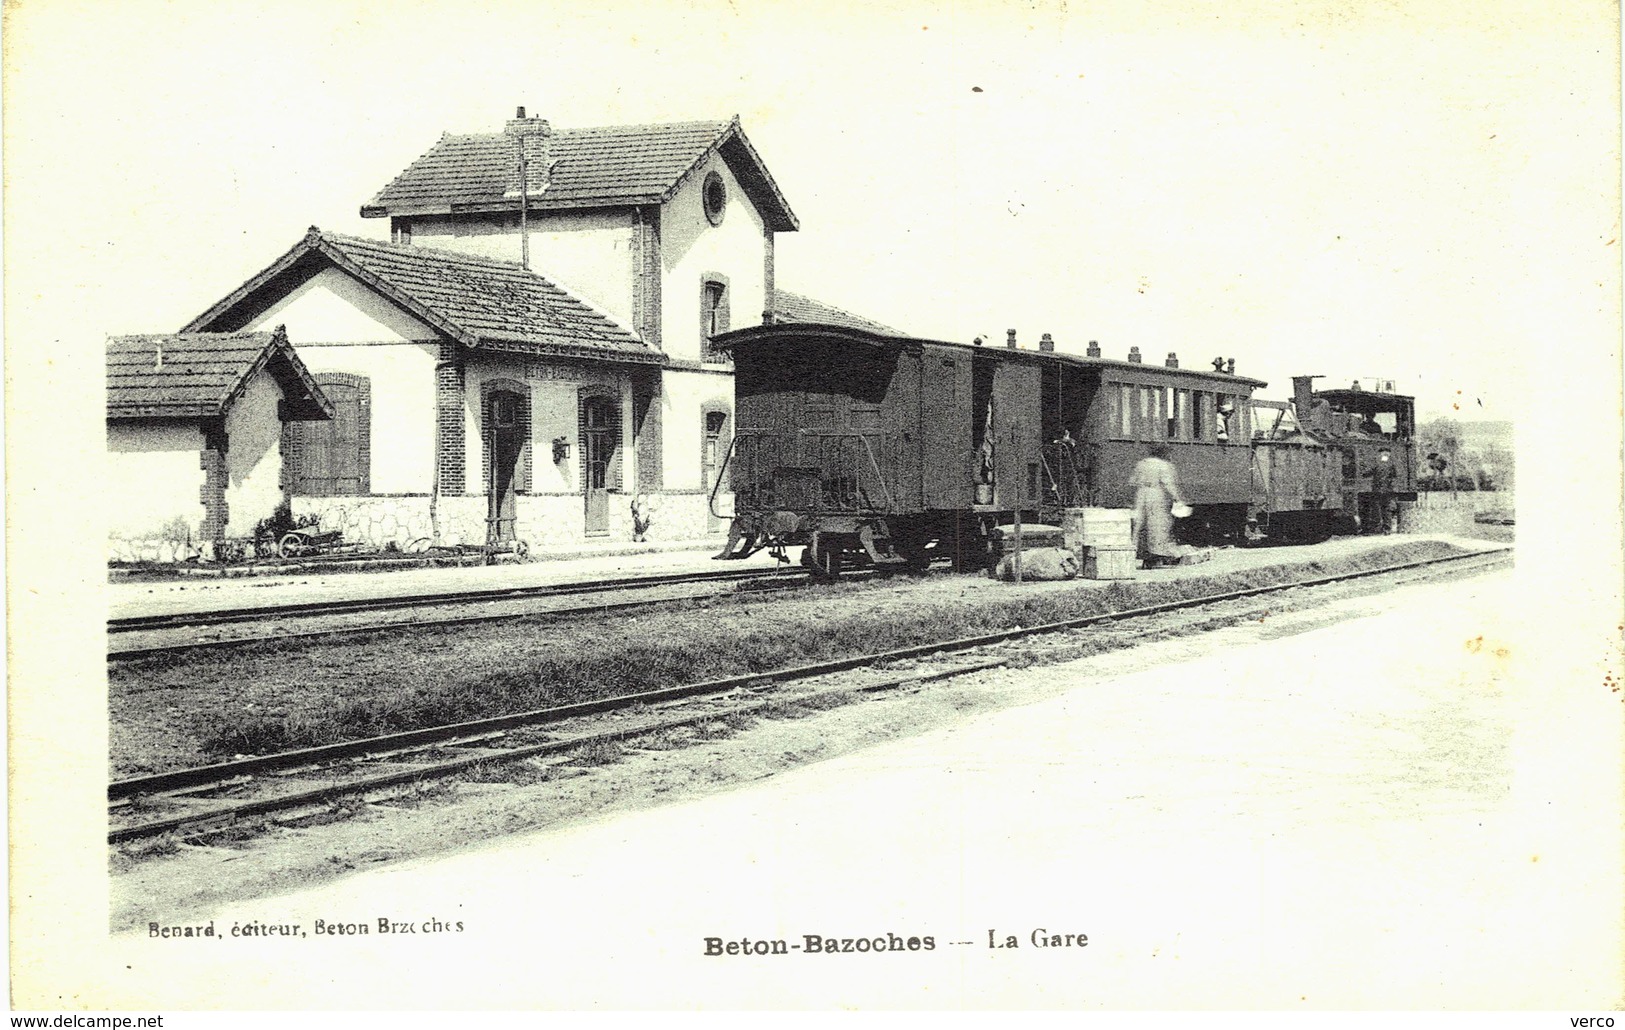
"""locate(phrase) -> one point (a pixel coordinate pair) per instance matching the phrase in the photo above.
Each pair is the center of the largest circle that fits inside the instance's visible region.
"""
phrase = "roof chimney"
(1046, 343)
(1010, 338)
(1094, 348)
(519, 125)
(532, 134)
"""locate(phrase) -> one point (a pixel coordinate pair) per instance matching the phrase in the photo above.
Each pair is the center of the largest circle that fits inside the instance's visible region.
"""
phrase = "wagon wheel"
(824, 562)
(292, 545)
(916, 552)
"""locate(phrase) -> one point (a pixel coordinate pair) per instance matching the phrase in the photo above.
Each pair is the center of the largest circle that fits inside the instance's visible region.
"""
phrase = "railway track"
(144, 627)
(199, 801)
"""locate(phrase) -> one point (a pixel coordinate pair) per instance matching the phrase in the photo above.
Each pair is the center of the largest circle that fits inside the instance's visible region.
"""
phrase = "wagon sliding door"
(947, 430)
(1017, 436)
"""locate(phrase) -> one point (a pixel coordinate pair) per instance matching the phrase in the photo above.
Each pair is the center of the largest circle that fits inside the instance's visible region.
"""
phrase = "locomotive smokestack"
(1010, 338)
(1303, 395)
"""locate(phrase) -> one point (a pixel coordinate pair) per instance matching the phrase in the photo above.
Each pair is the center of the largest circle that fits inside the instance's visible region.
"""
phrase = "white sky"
(1420, 191)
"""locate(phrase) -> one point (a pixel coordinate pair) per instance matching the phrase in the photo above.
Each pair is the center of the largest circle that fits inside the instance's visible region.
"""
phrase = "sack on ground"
(1040, 563)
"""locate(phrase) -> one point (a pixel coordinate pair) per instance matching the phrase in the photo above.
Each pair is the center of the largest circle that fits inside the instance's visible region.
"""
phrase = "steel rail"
(768, 581)
(227, 771)
(184, 620)
(382, 781)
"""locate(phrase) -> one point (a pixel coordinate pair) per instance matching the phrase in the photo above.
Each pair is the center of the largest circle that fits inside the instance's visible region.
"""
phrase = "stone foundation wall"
(152, 549)
(370, 520)
(686, 516)
(541, 521)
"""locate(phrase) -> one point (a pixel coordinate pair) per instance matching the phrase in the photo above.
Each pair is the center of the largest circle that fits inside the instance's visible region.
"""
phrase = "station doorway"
(504, 442)
(600, 435)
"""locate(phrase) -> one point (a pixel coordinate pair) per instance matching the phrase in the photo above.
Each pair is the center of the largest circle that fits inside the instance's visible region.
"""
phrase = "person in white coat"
(1156, 491)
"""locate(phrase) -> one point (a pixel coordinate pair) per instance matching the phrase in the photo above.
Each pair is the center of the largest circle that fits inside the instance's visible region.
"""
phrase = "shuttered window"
(713, 315)
(332, 458)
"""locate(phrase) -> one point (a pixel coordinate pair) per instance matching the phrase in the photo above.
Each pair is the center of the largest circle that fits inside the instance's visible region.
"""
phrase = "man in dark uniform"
(1382, 492)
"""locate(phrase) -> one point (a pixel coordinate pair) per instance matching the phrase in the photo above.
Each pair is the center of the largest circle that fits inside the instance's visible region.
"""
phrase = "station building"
(195, 426)
(528, 356)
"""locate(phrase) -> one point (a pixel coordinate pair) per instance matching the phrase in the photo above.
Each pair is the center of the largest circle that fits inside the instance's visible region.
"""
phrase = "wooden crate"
(1108, 563)
(1098, 527)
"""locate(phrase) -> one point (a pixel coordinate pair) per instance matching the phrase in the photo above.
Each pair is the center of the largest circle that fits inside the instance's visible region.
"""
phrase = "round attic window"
(715, 195)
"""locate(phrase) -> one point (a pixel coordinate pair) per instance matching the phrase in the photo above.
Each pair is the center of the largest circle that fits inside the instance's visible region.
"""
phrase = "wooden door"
(598, 440)
(504, 443)
(947, 424)
(716, 449)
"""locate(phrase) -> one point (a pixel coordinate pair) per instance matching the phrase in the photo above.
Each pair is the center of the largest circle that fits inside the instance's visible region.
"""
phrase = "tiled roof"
(609, 166)
(200, 375)
(481, 302)
(793, 307)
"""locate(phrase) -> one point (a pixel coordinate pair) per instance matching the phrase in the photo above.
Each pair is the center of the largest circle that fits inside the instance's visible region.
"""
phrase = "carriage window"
(1201, 415)
(1179, 422)
(1125, 411)
(1146, 414)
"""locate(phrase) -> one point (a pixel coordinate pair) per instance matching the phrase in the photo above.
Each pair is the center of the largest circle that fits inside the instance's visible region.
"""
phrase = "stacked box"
(1108, 562)
(1107, 528)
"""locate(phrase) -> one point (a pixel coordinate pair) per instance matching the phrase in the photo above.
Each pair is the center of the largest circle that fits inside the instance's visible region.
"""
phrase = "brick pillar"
(212, 459)
(646, 430)
(450, 420)
(646, 274)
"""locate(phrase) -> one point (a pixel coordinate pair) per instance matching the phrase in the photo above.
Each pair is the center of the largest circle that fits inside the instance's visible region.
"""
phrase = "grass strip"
(417, 693)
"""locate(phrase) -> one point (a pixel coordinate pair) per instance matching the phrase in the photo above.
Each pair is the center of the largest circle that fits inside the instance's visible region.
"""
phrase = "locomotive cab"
(1361, 426)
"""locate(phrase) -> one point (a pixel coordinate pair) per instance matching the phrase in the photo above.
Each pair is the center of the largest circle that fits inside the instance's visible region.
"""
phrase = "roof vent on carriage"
(1010, 338)
(1046, 343)
(1094, 349)
(1172, 360)
(1134, 355)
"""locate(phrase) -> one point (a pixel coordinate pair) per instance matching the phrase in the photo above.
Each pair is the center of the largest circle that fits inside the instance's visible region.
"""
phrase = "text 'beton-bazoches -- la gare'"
(818, 944)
